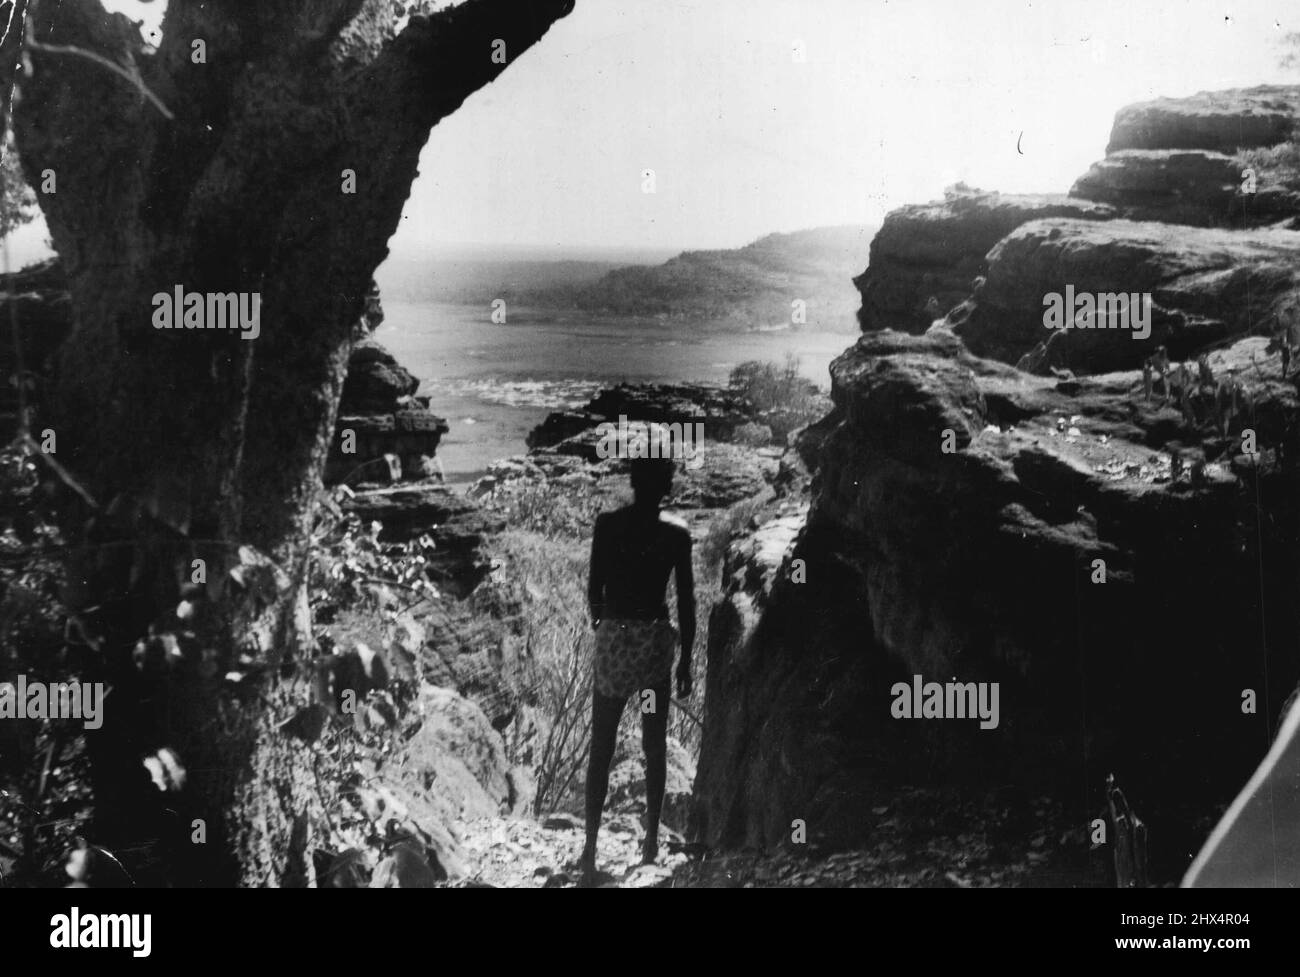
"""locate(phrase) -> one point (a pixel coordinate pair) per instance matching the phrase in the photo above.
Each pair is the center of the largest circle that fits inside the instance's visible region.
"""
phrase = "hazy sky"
(894, 101)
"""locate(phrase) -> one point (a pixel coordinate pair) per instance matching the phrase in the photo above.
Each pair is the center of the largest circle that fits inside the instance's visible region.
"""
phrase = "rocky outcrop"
(728, 413)
(720, 410)
(1216, 159)
(936, 250)
(457, 525)
(970, 559)
(450, 767)
(735, 460)
(1206, 285)
(1189, 187)
(1183, 187)
(721, 475)
(1177, 161)
(979, 565)
(384, 433)
(375, 381)
(627, 783)
(1114, 547)
(1222, 121)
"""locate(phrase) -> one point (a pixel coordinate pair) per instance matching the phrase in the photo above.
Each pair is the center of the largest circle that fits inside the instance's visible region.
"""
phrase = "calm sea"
(494, 382)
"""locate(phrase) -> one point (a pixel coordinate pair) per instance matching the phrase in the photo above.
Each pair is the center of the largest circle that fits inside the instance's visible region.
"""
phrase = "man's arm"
(685, 612)
(596, 577)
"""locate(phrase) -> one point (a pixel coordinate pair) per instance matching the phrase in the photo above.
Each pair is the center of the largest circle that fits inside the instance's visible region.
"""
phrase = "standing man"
(633, 551)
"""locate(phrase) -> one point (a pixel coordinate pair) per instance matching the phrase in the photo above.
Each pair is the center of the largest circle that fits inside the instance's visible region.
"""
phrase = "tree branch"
(13, 14)
(132, 75)
(67, 107)
(442, 58)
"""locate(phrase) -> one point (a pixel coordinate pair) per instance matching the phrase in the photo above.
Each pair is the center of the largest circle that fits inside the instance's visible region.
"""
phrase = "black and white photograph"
(664, 444)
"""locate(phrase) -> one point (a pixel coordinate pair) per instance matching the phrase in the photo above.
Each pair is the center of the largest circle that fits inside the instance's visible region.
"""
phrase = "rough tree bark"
(190, 443)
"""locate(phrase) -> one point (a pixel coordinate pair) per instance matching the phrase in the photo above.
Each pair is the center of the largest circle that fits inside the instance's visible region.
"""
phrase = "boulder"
(375, 380)
(559, 426)
(452, 769)
(627, 784)
(726, 474)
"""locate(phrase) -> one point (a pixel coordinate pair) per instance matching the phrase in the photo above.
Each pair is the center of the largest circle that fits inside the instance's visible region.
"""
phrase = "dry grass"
(563, 509)
(712, 550)
(1274, 165)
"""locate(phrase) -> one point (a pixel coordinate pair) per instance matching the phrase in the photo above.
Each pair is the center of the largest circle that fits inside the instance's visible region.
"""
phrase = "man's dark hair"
(652, 475)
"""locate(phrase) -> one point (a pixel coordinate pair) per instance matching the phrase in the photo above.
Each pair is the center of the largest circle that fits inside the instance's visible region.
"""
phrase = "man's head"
(652, 479)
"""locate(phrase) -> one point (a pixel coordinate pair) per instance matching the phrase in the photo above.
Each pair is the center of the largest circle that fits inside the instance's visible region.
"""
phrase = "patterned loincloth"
(633, 655)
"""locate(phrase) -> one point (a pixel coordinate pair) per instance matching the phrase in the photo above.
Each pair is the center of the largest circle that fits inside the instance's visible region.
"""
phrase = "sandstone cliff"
(979, 563)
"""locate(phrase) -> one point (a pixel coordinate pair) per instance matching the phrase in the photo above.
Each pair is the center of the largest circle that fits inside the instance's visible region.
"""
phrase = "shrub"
(782, 397)
(44, 778)
(754, 435)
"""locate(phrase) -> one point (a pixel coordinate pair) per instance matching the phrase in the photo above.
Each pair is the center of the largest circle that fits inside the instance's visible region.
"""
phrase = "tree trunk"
(190, 443)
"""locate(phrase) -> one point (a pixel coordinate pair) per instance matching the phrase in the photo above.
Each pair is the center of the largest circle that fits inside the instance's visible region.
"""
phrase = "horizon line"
(608, 248)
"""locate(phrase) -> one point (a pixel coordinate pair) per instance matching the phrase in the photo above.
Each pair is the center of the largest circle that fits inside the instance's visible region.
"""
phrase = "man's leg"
(605, 714)
(654, 741)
